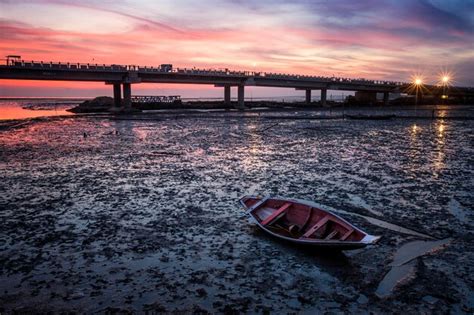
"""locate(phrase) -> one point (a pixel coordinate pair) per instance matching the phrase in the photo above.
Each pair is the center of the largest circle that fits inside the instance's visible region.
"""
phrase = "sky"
(376, 39)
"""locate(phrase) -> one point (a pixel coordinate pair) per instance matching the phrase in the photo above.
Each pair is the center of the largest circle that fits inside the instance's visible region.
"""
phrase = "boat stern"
(249, 201)
(370, 239)
(243, 200)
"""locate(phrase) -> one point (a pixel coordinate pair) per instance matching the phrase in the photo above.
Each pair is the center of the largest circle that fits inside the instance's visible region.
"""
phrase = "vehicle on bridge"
(13, 60)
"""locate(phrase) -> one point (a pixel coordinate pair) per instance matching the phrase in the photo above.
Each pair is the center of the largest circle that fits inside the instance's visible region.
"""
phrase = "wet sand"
(143, 215)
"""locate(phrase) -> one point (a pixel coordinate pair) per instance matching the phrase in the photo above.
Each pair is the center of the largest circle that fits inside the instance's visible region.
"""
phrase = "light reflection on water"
(254, 149)
(439, 158)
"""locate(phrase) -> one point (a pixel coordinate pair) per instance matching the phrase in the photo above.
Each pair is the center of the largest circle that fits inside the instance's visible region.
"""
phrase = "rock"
(122, 110)
(76, 295)
(201, 292)
(97, 105)
(362, 299)
(430, 299)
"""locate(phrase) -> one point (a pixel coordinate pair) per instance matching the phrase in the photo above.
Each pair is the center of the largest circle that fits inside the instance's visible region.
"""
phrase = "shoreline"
(325, 112)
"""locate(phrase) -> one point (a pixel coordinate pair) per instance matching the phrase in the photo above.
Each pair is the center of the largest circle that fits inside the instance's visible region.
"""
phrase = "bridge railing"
(155, 98)
(70, 66)
(194, 71)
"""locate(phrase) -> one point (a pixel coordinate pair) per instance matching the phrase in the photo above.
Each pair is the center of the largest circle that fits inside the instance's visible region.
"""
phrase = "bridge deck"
(40, 70)
(129, 74)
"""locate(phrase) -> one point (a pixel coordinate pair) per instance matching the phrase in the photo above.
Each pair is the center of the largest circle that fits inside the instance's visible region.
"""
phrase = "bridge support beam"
(240, 97)
(127, 95)
(386, 97)
(227, 95)
(117, 95)
(308, 96)
(324, 96)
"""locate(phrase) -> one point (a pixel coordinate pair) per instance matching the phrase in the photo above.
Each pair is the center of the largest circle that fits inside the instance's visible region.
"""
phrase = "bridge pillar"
(241, 97)
(117, 95)
(227, 95)
(386, 97)
(308, 96)
(127, 95)
(324, 96)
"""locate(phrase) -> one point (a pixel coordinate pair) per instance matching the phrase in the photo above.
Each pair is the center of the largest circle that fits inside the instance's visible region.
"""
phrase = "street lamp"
(418, 83)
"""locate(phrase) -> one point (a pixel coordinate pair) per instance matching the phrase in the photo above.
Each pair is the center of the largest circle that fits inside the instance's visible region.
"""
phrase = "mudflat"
(141, 214)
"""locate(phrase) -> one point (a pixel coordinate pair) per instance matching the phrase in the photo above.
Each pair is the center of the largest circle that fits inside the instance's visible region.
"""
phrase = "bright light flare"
(417, 79)
(445, 78)
(417, 84)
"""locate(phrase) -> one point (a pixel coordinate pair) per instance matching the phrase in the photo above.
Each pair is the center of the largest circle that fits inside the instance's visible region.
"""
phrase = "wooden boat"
(303, 223)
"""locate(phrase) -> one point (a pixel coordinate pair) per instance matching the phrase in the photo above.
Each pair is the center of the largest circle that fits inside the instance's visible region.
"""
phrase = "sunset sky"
(390, 39)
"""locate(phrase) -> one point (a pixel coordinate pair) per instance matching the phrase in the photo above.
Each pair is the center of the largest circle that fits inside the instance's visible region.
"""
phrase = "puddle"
(404, 265)
(394, 227)
(394, 277)
(415, 249)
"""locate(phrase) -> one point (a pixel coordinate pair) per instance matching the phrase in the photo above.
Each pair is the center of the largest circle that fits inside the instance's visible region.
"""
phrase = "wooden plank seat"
(316, 227)
(347, 234)
(331, 235)
(258, 204)
(307, 219)
(277, 214)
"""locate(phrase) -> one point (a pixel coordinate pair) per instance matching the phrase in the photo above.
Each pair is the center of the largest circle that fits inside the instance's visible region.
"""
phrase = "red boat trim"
(275, 215)
(328, 241)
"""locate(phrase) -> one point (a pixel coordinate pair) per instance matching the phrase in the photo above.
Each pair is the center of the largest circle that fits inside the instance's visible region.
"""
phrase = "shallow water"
(144, 214)
(32, 108)
(403, 266)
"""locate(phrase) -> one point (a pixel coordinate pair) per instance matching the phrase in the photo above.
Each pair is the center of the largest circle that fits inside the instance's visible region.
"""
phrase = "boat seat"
(348, 233)
(307, 219)
(316, 227)
(258, 204)
(277, 214)
(331, 235)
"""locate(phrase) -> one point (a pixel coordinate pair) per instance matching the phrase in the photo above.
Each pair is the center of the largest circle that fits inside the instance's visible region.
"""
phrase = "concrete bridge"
(121, 77)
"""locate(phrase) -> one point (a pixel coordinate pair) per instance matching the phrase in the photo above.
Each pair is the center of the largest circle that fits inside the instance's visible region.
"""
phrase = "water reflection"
(438, 160)
(441, 113)
(14, 110)
(415, 150)
(251, 160)
(441, 129)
